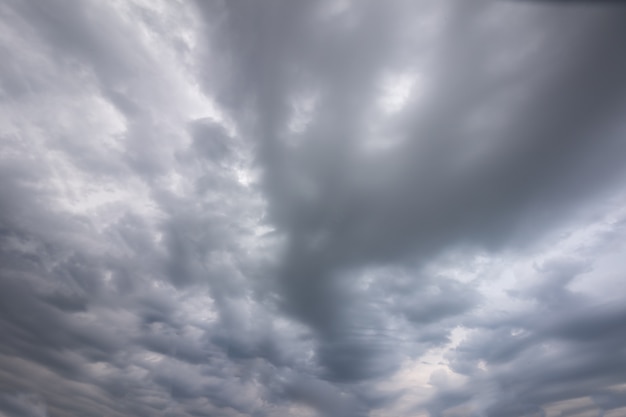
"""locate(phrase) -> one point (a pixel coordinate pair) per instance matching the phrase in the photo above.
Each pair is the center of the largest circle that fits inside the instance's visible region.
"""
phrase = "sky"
(333, 208)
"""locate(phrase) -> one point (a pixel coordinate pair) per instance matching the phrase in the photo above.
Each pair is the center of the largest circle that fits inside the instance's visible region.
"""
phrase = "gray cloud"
(329, 208)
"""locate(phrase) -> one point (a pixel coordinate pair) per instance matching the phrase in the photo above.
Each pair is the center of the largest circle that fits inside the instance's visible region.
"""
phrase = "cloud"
(331, 208)
(23, 405)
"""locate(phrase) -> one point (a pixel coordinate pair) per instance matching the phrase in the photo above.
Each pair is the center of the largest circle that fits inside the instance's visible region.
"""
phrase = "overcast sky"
(334, 208)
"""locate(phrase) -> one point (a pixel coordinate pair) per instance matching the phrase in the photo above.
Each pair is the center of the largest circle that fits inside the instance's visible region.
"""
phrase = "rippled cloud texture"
(312, 208)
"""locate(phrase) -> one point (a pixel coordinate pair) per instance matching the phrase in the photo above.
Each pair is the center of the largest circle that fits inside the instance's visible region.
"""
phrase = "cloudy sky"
(334, 208)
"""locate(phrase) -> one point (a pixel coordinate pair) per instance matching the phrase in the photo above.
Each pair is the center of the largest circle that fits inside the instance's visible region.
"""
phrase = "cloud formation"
(320, 208)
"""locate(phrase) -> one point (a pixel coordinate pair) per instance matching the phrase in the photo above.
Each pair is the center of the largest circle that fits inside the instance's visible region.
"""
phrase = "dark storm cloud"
(22, 405)
(289, 247)
(550, 147)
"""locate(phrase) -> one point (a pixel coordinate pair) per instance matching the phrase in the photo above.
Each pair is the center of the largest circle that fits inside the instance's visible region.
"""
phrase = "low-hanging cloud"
(333, 208)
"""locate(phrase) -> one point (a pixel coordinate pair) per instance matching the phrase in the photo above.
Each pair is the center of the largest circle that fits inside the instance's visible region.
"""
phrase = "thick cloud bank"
(312, 208)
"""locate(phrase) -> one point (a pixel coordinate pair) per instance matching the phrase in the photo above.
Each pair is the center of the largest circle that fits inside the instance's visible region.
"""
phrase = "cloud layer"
(312, 208)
